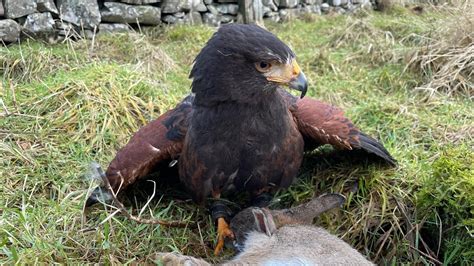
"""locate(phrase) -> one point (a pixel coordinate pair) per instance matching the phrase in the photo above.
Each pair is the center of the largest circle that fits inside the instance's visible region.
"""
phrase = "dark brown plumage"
(239, 130)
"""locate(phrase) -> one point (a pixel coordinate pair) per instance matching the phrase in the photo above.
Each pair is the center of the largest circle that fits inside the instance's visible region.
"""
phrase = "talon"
(223, 231)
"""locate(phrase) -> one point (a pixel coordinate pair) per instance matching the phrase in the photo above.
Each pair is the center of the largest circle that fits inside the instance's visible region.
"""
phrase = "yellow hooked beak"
(290, 75)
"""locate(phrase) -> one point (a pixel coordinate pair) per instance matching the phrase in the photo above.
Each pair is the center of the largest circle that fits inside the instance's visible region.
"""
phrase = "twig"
(119, 205)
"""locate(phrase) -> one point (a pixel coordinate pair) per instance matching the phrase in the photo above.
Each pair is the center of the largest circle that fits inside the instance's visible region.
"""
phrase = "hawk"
(239, 130)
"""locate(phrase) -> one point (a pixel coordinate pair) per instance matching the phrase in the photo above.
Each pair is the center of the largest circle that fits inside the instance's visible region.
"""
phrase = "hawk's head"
(244, 63)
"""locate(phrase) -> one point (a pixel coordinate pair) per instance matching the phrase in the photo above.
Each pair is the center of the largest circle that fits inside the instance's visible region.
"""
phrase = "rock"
(270, 4)
(113, 27)
(40, 25)
(208, 2)
(266, 11)
(334, 2)
(140, 2)
(228, 19)
(18, 8)
(83, 13)
(170, 19)
(179, 14)
(273, 16)
(227, 1)
(344, 2)
(173, 6)
(231, 9)
(213, 10)
(325, 7)
(65, 28)
(305, 9)
(288, 14)
(193, 18)
(367, 5)
(198, 5)
(9, 30)
(123, 13)
(316, 9)
(287, 3)
(2, 11)
(46, 6)
(340, 10)
(211, 19)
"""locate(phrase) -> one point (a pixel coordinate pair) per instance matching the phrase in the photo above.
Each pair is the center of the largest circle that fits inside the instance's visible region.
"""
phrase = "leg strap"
(219, 209)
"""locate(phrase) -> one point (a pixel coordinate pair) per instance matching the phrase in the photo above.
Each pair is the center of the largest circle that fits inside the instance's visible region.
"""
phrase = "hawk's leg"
(221, 214)
(261, 200)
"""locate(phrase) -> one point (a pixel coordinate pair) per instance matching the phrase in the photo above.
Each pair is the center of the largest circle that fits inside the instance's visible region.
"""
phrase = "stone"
(82, 13)
(344, 2)
(266, 11)
(193, 18)
(288, 14)
(208, 2)
(113, 27)
(19, 8)
(334, 2)
(199, 6)
(123, 13)
(140, 2)
(325, 7)
(170, 19)
(213, 10)
(179, 14)
(227, 1)
(173, 6)
(270, 4)
(316, 9)
(231, 9)
(40, 25)
(305, 9)
(46, 6)
(2, 10)
(273, 15)
(287, 3)
(367, 5)
(228, 19)
(340, 10)
(211, 19)
(9, 30)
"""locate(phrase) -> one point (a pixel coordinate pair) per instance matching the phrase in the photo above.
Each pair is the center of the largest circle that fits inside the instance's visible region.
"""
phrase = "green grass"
(72, 103)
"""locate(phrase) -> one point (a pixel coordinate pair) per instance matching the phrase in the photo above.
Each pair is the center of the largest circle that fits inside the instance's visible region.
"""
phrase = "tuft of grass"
(67, 104)
(447, 205)
(446, 58)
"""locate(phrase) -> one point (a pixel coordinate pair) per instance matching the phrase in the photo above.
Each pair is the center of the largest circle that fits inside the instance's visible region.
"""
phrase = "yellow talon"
(223, 231)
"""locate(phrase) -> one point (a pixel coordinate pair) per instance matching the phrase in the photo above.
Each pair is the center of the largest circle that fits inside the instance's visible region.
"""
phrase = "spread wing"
(158, 141)
(321, 123)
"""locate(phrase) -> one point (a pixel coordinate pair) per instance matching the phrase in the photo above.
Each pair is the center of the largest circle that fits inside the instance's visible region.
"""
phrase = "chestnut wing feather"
(321, 123)
(161, 139)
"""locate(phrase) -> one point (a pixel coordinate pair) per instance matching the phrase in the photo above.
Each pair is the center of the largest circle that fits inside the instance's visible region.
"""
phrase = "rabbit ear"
(264, 221)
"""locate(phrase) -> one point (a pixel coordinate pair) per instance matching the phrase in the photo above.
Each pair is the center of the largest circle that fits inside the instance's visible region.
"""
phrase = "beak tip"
(300, 83)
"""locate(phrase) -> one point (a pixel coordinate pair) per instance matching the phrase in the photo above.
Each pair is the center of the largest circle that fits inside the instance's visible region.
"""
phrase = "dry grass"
(446, 59)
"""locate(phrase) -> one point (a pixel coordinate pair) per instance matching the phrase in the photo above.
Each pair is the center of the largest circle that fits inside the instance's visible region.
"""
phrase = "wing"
(321, 123)
(160, 140)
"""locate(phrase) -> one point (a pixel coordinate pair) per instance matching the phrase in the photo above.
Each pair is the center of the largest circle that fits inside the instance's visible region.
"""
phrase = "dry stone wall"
(58, 19)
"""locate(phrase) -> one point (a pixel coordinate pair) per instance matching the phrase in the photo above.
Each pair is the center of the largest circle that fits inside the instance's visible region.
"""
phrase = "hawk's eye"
(263, 66)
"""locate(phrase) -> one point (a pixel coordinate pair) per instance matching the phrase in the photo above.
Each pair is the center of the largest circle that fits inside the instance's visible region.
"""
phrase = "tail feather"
(371, 145)
(99, 194)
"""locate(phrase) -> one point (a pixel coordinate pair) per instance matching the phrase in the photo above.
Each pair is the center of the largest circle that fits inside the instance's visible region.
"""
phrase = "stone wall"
(58, 19)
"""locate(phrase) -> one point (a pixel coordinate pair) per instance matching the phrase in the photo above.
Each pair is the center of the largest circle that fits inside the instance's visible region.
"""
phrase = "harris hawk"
(239, 129)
